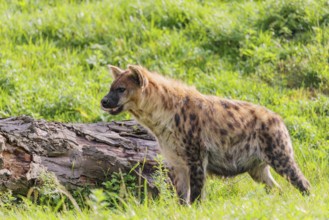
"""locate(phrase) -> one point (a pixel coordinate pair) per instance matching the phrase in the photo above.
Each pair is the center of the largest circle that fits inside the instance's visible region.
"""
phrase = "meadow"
(53, 57)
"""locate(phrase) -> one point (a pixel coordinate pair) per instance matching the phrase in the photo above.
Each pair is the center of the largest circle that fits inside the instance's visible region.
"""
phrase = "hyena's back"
(248, 138)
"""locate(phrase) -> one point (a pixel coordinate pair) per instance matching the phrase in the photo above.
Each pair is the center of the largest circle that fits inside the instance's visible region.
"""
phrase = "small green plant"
(286, 19)
(7, 200)
(49, 192)
(120, 187)
(163, 182)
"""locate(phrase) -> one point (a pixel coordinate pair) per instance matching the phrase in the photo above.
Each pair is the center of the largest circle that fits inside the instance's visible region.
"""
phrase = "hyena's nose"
(105, 102)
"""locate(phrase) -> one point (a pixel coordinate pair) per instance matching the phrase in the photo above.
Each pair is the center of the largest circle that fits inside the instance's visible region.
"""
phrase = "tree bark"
(78, 154)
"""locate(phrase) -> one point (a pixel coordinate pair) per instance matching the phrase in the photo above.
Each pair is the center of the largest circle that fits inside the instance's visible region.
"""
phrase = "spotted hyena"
(201, 134)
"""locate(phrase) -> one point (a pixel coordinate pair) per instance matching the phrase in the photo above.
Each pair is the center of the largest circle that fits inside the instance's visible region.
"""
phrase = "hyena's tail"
(296, 177)
(279, 155)
(289, 169)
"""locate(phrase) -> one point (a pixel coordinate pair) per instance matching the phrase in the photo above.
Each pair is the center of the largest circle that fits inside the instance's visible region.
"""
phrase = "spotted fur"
(201, 134)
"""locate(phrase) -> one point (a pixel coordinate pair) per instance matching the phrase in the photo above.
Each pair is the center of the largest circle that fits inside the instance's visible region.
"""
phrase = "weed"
(286, 19)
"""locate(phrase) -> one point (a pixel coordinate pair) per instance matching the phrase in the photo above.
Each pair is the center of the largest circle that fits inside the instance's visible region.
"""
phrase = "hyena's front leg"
(182, 183)
(197, 178)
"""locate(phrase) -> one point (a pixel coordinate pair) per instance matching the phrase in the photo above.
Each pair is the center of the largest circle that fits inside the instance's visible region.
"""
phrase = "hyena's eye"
(120, 89)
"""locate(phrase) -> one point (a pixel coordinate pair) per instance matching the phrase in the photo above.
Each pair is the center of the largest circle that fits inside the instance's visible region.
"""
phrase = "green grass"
(53, 57)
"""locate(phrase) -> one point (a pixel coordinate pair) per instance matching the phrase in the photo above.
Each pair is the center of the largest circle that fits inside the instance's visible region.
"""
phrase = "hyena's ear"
(116, 71)
(139, 75)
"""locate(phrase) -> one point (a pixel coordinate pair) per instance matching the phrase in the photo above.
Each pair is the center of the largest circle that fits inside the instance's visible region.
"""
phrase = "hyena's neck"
(160, 104)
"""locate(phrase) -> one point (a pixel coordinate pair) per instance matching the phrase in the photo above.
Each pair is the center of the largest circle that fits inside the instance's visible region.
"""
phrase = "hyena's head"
(126, 89)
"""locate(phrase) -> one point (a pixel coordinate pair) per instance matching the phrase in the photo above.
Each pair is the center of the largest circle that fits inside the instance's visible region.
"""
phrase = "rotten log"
(78, 154)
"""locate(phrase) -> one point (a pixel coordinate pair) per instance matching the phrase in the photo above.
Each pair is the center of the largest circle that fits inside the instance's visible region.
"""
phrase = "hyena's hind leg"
(262, 174)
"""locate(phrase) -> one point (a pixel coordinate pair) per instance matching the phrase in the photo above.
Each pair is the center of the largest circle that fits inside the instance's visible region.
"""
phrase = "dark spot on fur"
(225, 104)
(247, 147)
(270, 122)
(199, 172)
(269, 145)
(284, 161)
(236, 108)
(183, 113)
(177, 119)
(252, 111)
(262, 139)
(186, 100)
(192, 117)
(230, 114)
(228, 156)
(268, 140)
(190, 133)
(223, 132)
(230, 126)
(192, 128)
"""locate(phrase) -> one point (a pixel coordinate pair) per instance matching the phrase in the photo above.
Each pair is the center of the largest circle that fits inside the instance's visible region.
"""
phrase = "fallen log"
(78, 154)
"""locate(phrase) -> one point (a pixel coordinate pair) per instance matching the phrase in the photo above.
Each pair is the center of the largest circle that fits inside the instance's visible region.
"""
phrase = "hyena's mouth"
(113, 111)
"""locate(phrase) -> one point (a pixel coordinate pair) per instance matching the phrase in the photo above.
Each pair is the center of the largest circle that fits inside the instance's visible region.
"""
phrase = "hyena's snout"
(110, 103)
